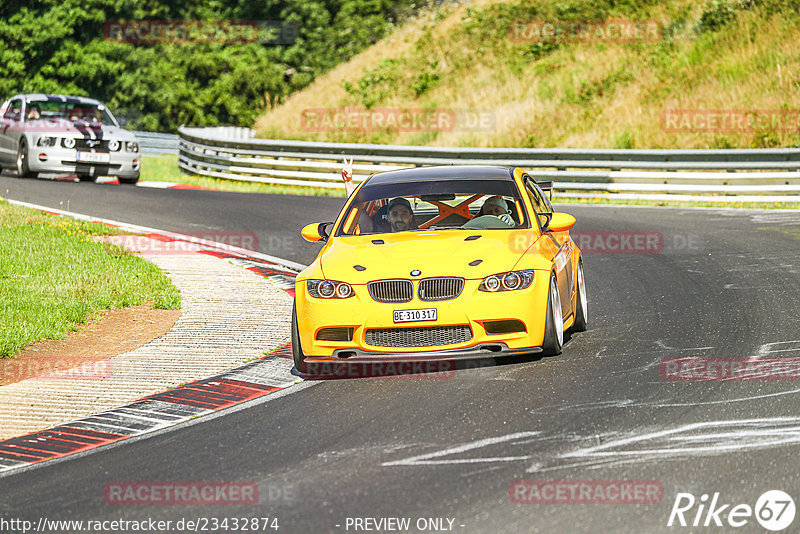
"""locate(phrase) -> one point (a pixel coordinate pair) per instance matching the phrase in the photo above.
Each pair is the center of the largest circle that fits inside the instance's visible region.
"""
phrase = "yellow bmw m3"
(437, 263)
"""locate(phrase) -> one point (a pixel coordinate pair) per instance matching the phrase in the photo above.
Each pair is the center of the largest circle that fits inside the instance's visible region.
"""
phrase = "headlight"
(113, 145)
(343, 291)
(47, 141)
(132, 146)
(69, 142)
(326, 289)
(510, 281)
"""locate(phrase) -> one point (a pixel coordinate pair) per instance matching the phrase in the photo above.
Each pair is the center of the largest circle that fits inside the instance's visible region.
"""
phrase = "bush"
(59, 47)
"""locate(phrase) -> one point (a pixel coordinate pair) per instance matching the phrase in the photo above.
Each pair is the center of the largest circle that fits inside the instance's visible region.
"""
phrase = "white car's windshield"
(74, 112)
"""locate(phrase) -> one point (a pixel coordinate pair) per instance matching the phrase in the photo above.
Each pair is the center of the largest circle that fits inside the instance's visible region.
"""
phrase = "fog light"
(342, 333)
(504, 326)
(42, 157)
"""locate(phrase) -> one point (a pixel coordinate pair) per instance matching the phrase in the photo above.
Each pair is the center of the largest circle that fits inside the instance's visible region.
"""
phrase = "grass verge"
(54, 275)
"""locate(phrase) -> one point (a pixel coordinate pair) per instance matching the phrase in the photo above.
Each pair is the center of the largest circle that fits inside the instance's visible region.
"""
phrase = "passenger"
(497, 206)
(34, 113)
(400, 215)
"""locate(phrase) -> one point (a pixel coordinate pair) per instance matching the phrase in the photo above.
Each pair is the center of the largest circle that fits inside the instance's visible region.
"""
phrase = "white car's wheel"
(554, 324)
(23, 166)
(581, 302)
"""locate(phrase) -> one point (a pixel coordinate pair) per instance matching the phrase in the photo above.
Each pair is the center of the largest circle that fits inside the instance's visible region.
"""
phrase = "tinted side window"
(539, 201)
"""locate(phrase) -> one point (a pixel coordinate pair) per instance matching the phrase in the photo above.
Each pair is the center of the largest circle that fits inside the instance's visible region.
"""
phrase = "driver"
(400, 215)
(497, 206)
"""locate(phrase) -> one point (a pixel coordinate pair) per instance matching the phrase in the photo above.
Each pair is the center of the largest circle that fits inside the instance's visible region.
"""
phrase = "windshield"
(71, 111)
(434, 205)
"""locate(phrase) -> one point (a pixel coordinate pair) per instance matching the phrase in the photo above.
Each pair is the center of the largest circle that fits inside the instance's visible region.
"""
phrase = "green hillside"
(712, 74)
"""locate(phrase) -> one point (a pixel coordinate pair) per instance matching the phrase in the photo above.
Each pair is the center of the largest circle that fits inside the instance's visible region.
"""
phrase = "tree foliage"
(59, 46)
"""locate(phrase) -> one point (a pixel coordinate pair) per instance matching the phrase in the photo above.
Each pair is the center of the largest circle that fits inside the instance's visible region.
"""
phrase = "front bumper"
(472, 308)
(484, 350)
(64, 160)
(424, 364)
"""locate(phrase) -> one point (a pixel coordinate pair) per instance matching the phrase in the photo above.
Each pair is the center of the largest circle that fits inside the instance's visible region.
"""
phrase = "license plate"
(93, 157)
(407, 316)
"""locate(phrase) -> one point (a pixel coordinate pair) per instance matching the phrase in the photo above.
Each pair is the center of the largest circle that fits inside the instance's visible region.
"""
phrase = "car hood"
(66, 128)
(434, 253)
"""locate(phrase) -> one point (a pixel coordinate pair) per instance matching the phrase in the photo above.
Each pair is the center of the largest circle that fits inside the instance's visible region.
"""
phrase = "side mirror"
(122, 121)
(560, 222)
(316, 232)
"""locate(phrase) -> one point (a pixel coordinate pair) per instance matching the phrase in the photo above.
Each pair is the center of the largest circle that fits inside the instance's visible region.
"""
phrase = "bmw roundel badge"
(416, 272)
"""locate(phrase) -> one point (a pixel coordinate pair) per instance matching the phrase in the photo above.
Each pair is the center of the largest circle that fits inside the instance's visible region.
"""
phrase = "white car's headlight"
(113, 145)
(47, 141)
(69, 142)
(510, 281)
(326, 289)
(132, 146)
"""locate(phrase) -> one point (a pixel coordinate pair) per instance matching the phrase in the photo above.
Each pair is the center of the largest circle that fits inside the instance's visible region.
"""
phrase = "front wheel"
(23, 166)
(297, 349)
(554, 324)
(580, 303)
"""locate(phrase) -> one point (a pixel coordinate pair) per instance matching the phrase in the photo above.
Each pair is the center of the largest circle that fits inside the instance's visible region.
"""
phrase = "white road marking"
(427, 459)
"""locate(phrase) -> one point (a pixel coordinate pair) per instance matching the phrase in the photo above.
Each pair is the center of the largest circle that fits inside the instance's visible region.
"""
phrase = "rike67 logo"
(774, 510)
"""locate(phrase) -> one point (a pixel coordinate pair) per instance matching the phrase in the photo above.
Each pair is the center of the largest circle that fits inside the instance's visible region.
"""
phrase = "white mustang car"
(66, 134)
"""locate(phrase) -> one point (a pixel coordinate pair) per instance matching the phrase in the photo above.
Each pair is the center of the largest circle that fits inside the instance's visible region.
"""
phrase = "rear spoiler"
(547, 187)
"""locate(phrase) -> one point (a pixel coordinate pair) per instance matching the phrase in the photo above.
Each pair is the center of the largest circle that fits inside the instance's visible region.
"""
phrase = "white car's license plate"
(407, 316)
(93, 157)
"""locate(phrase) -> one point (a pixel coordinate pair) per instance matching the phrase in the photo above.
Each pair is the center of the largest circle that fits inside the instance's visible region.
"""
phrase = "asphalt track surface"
(726, 284)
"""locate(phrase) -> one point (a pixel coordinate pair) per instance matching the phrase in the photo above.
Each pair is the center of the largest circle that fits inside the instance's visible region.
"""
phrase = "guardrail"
(219, 154)
(155, 144)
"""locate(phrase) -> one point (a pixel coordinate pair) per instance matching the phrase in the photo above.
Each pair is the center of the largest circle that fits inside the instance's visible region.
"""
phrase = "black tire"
(86, 177)
(580, 301)
(23, 167)
(128, 181)
(554, 324)
(297, 349)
